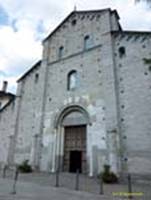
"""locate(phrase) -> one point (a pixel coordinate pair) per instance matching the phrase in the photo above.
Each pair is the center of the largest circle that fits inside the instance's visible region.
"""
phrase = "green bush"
(108, 176)
(25, 167)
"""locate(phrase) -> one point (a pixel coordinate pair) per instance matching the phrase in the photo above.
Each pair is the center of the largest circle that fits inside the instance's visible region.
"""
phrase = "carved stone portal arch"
(67, 111)
(71, 133)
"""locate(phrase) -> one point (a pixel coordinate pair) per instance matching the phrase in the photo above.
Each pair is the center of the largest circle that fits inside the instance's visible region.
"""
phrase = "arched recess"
(72, 80)
(67, 110)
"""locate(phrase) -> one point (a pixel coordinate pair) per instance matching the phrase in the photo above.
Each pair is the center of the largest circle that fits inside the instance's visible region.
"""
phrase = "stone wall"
(134, 93)
(29, 116)
(7, 125)
(95, 71)
(113, 88)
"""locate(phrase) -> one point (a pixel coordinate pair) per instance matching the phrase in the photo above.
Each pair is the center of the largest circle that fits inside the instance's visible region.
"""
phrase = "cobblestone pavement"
(41, 186)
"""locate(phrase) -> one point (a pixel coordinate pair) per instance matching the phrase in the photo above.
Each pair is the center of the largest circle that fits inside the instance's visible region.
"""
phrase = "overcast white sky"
(25, 23)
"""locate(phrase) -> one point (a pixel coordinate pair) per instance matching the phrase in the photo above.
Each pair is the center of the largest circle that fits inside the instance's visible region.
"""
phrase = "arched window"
(72, 80)
(60, 53)
(87, 42)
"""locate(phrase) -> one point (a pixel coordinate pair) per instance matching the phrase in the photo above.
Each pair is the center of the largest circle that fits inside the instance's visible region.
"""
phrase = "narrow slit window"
(36, 77)
(60, 53)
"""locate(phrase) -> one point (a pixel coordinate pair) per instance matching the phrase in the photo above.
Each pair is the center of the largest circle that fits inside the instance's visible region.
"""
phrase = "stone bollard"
(57, 178)
(129, 185)
(101, 185)
(77, 180)
(15, 181)
(4, 171)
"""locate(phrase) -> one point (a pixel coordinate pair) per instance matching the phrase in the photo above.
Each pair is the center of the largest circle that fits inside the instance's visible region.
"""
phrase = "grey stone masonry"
(110, 89)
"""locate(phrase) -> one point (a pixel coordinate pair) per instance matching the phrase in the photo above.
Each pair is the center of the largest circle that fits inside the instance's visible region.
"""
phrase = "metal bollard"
(57, 178)
(15, 181)
(129, 186)
(4, 171)
(77, 180)
(101, 185)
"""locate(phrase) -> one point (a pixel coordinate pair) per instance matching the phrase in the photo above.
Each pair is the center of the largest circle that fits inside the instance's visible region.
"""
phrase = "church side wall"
(134, 83)
(7, 124)
(29, 120)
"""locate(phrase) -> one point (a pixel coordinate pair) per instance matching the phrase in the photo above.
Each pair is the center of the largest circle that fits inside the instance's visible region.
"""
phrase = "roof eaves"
(2, 93)
(30, 70)
(58, 26)
(131, 32)
(116, 13)
(93, 11)
(11, 101)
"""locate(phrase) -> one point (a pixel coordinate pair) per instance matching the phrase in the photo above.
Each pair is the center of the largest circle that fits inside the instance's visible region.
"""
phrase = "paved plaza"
(41, 186)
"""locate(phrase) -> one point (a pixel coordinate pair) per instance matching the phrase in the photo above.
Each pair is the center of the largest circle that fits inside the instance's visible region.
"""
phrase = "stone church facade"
(86, 103)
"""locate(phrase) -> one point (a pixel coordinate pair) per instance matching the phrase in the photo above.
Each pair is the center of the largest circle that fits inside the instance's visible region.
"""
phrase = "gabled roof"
(80, 12)
(7, 104)
(70, 15)
(11, 99)
(6, 94)
(30, 70)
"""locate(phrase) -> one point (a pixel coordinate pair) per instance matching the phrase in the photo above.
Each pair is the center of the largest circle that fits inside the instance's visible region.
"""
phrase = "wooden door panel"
(75, 140)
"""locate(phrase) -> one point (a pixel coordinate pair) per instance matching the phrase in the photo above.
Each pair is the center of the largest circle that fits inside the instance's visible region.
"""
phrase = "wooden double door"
(75, 149)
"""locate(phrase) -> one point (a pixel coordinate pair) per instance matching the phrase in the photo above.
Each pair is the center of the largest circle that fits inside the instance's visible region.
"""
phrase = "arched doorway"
(75, 149)
(74, 121)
